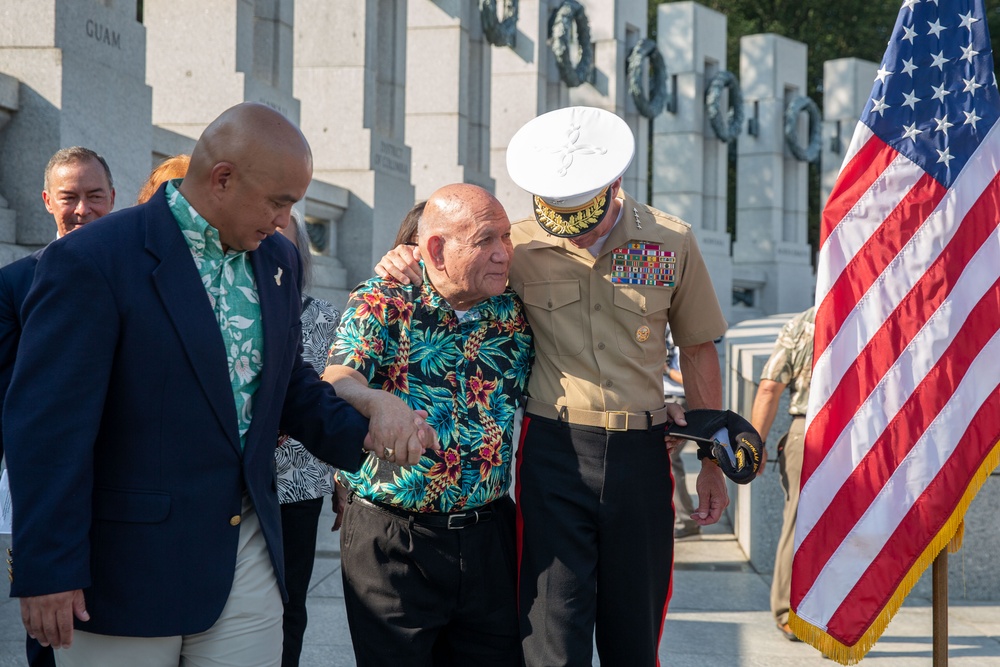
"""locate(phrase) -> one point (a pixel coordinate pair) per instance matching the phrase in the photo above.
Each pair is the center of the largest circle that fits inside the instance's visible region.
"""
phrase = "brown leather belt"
(615, 420)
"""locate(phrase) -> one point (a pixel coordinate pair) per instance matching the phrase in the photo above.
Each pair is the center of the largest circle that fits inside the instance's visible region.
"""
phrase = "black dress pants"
(418, 596)
(595, 525)
(299, 522)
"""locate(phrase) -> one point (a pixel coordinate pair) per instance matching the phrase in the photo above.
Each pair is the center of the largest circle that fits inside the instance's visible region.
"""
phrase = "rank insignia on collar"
(635, 212)
(642, 263)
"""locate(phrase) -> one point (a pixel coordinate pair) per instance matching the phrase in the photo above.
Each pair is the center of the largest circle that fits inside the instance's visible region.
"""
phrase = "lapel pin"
(277, 277)
(635, 212)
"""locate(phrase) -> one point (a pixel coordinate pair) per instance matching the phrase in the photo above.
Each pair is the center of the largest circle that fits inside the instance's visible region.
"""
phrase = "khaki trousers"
(790, 466)
(247, 634)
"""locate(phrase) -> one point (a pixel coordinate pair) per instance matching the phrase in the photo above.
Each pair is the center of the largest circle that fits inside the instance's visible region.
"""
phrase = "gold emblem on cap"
(577, 222)
(642, 334)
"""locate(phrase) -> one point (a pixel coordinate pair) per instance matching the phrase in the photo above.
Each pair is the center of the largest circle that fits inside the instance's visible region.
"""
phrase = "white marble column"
(244, 53)
(615, 27)
(771, 255)
(81, 67)
(204, 57)
(448, 65)
(525, 84)
(690, 163)
(350, 75)
(9, 105)
(847, 85)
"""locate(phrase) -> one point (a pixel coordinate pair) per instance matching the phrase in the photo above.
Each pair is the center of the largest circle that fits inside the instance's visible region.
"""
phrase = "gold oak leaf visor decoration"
(570, 222)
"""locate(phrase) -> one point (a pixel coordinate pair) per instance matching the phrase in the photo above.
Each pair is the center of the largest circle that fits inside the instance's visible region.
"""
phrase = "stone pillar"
(690, 163)
(616, 27)
(771, 255)
(353, 111)
(9, 105)
(448, 64)
(204, 57)
(847, 85)
(526, 84)
(755, 509)
(244, 54)
(81, 66)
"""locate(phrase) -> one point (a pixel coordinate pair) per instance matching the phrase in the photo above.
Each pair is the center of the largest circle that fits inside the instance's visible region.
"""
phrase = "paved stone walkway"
(718, 617)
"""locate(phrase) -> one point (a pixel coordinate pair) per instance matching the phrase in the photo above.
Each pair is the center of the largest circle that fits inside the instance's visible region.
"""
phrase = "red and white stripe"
(904, 402)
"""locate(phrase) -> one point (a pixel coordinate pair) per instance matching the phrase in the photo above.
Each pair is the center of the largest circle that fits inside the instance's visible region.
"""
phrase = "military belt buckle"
(616, 421)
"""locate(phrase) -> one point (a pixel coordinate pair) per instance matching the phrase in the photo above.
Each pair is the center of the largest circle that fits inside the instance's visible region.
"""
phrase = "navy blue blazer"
(121, 429)
(15, 280)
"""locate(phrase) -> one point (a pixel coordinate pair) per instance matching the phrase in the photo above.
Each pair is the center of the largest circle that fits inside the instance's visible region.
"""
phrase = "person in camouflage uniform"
(790, 364)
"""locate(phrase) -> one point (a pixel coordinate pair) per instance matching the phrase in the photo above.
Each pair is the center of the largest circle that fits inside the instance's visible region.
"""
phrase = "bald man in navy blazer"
(139, 501)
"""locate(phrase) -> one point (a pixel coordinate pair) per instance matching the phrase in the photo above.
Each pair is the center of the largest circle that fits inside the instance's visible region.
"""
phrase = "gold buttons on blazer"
(235, 521)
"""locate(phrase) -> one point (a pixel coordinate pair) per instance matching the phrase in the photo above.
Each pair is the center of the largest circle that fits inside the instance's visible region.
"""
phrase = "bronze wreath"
(795, 107)
(651, 106)
(727, 127)
(560, 30)
(499, 32)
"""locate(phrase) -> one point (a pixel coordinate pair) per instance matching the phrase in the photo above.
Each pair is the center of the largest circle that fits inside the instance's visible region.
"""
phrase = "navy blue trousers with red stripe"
(595, 543)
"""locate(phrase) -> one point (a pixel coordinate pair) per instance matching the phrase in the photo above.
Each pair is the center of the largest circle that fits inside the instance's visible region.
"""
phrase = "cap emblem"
(570, 147)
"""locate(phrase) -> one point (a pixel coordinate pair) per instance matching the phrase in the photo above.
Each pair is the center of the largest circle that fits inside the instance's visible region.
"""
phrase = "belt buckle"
(613, 418)
(458, 516)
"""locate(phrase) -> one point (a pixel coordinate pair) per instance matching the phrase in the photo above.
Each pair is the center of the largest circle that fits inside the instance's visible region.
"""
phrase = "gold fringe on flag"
(949, 536)
(956, 541)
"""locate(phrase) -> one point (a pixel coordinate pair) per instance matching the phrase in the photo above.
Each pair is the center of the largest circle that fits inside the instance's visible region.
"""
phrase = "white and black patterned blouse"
(301, 476)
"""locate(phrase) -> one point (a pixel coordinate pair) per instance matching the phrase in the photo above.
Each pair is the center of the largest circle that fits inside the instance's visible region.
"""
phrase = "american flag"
(904, 412)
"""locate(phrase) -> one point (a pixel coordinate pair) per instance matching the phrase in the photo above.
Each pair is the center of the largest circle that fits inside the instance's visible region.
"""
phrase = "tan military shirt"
(791, 361)
(600, 345)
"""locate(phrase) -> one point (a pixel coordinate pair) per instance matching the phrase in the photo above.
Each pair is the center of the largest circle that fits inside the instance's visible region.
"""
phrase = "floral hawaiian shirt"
(469, 373)
(232, 292)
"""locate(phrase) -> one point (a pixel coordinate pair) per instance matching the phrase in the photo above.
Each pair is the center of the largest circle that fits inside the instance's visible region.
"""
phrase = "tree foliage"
(830, 29)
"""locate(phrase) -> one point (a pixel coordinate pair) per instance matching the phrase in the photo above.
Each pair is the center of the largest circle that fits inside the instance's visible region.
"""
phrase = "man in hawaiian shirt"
(428, 552)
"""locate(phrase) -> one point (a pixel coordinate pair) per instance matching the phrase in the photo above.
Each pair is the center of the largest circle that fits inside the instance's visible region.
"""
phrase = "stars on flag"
(967, 21)
(931, 81)
(971, 118)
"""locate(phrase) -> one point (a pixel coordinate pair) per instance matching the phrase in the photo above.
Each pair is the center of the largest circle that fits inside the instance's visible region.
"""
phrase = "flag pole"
(939, 612)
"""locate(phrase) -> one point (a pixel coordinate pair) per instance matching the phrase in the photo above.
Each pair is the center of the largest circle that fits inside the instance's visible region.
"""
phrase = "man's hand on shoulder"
(49, 618)
(401, 263)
